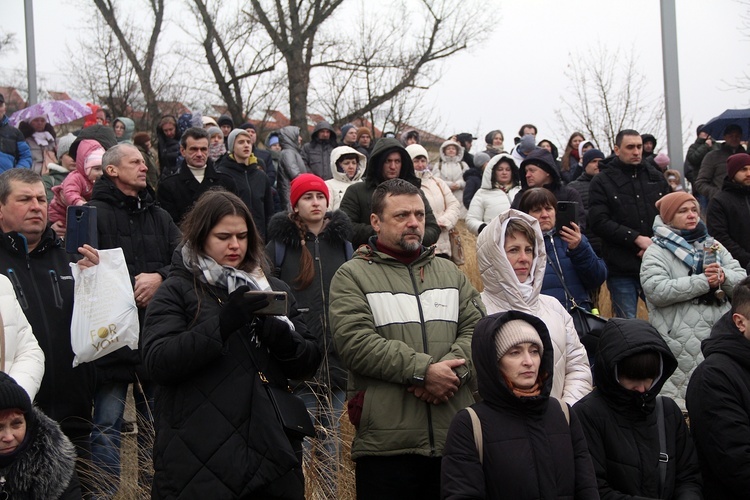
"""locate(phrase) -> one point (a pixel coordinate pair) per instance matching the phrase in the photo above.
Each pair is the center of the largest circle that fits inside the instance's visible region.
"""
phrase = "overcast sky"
(517, 75)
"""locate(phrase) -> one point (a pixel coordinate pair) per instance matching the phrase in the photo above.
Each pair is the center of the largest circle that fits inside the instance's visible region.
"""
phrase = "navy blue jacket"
(14, 151)
(582, 270)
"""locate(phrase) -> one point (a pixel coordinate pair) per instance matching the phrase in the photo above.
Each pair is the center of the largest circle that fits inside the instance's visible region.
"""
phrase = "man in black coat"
(128, 218)
(317, 153)
(728, 217)
(620, 417)
(622, 207)
(196, 175)
(718, 401)
(36, 262)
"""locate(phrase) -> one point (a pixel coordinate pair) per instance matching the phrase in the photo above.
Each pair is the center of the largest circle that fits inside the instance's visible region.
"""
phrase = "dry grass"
(315, 483)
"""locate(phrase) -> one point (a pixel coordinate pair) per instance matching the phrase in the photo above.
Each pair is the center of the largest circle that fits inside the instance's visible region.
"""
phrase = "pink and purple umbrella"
(56, 112)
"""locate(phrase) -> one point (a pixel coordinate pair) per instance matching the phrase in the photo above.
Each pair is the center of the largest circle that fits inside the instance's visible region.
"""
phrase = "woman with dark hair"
(570, 167)
(500, 184)
(36, 459)
(573, 269)
(217, 359)
(168, 144)
(523, 444)
(40, 136)
(307, 246)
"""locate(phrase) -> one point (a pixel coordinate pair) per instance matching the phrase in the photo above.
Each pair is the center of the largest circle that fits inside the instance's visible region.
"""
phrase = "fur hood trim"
(282, 229)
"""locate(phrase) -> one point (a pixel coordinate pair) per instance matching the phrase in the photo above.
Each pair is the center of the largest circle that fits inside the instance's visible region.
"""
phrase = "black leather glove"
(239, 310)
(276, 335)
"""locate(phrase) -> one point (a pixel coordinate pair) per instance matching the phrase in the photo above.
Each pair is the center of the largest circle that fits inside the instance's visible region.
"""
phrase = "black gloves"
(277, 336)
(239, 310)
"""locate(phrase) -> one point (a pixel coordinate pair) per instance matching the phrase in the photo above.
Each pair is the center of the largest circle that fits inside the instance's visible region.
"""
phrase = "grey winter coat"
(317, 153)
(670, 287)
(291, 163)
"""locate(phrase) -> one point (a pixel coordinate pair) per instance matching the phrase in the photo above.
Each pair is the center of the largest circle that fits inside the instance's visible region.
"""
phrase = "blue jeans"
(109, 406)
(624, 292)
(326, 409)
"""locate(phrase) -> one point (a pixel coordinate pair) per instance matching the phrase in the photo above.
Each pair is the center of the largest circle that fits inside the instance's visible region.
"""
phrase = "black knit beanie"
(13, 395)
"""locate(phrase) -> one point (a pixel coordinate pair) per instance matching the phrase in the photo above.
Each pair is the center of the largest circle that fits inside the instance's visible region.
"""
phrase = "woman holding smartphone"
(215, 358)
(573, 268)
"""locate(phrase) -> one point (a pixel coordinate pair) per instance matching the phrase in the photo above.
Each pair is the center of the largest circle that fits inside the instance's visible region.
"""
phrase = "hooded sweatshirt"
(357, 201)
(529, 450)
(127, 137)
(291, 163)
(621, 425)
(503, 292)
(317, 153)
(490, 201)
(339, 182)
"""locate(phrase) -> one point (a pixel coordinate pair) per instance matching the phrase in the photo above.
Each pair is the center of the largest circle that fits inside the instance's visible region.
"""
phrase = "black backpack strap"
(663, 456)
(278, 257)
(348, 250)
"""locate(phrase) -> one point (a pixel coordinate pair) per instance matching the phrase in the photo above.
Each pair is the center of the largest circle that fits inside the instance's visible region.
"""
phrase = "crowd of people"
(281, 284)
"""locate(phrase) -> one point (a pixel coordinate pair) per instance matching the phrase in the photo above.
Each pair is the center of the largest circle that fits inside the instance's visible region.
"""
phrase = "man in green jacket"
(402, 322)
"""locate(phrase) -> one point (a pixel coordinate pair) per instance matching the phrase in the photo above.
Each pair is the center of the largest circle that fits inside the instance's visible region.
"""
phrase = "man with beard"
(402, 322)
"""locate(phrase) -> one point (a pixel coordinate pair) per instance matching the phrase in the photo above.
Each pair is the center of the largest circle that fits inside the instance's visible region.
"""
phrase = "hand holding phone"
(565, 213)
(277, 303)
(80, 228)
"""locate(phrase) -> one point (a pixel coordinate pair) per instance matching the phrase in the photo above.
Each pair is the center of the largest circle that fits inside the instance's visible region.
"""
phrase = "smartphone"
(565, 214)
(278, 305)
(80, 228)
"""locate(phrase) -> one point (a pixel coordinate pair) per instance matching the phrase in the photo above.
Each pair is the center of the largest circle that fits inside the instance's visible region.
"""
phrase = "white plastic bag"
(105, 317)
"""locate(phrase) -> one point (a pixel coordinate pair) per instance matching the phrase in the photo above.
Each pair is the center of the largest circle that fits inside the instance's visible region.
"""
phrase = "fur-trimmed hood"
(283, 229)
(45, 468)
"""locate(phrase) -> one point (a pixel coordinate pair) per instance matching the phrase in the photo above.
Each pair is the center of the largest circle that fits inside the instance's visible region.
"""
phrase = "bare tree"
(236, 55)
(607, 94)
(371, 66)
(104, 74)
(138, 45)
(7, 42)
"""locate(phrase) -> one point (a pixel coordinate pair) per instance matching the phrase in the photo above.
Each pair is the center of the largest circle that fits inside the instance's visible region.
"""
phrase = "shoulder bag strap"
(564, 408)
(476, 426)
(2, 345)
(558, 272)
(663, 456)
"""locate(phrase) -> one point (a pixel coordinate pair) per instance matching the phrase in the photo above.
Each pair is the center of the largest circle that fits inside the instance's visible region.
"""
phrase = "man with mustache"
(402, 322)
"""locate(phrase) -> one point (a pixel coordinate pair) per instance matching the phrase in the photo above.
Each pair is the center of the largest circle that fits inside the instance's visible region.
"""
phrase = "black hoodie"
(621, 425)
(543, 159)
(358, 197)
(718, 400)
(530, 451)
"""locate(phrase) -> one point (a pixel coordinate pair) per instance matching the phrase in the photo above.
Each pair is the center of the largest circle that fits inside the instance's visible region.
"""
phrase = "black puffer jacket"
(253, 187)
(217, 435)
(622, 206)
(473, 180)
(529, 450)
(358, 197)
(179, 191)
(728, 219)
(582, 185)
(718, 401)
(148, 237)
(317, 153)
(329, 252)
(44, 286)
(43, 466)
(621, 425)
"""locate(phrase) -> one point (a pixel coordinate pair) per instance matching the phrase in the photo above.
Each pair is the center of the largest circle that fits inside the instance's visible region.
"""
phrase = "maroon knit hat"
(304, 183)
(735, 163)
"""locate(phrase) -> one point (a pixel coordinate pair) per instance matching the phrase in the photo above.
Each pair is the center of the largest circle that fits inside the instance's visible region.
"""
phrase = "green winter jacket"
(390, 321)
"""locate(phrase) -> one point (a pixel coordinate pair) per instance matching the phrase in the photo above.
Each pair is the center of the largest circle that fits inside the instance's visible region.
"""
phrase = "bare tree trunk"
(141, 60)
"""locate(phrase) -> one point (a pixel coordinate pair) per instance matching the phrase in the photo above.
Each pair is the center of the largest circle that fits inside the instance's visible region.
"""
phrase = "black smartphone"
(278, 305)
(565, 213)
(80, 228)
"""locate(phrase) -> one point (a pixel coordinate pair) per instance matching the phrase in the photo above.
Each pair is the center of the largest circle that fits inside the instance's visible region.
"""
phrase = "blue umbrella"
(715, 127)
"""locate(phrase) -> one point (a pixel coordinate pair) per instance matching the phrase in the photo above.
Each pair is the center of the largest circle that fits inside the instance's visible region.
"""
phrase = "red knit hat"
(735, 163)
(304, 183)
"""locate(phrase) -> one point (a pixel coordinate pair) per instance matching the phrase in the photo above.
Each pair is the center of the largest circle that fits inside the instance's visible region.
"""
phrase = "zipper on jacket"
(56, 289)
(476, 304)
(325, 368)
(430, 431)
(19, 289)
